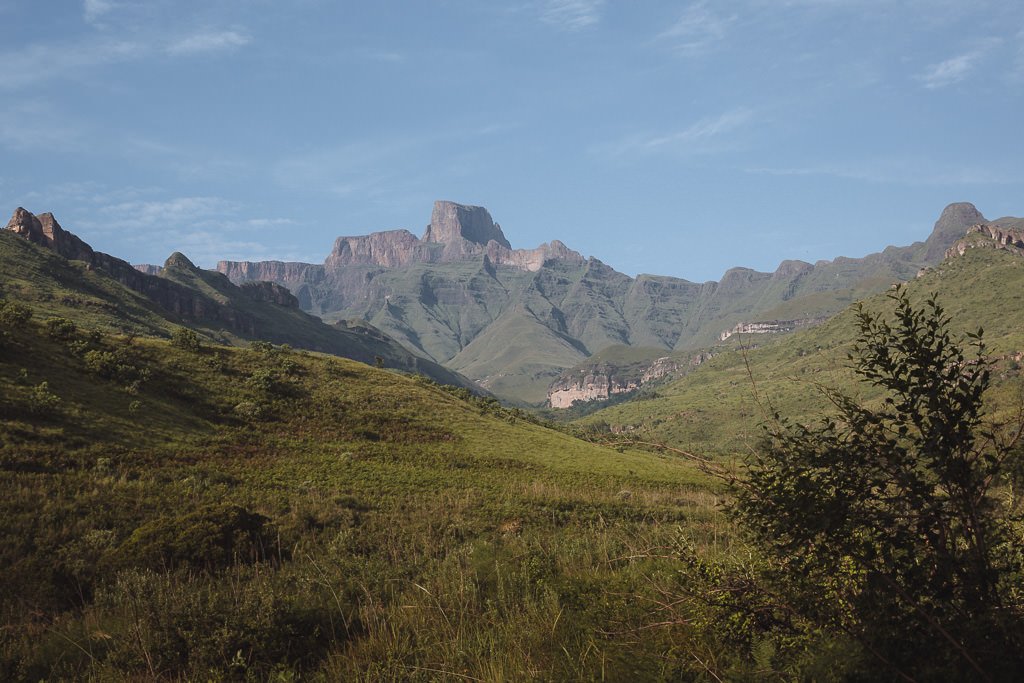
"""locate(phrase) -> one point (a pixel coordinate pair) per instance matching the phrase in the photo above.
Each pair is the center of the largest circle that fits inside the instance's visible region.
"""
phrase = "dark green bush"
(61, 328)
(212, 537)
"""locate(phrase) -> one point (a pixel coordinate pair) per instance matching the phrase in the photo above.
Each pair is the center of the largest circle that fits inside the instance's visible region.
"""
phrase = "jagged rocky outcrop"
(992, 236)
(456, 233)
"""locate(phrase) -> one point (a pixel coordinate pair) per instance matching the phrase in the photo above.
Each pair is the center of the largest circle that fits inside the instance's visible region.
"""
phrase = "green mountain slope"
(267, 513)
(717, 407)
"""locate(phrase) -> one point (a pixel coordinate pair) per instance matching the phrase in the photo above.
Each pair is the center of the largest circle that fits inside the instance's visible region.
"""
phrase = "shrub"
(884, 520)
(61, 328)
(211, 537)
(13, 314)
(41, 400)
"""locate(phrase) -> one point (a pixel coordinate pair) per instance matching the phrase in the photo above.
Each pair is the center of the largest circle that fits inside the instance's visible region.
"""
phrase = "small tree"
(884, 520)
(12, 316)
(186, 339)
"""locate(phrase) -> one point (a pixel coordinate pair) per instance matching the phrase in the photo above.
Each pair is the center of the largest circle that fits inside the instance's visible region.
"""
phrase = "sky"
(675, 138)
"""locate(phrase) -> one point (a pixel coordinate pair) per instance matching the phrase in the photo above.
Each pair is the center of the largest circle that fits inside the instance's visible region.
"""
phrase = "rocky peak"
(954, 222)
(45, 231)
(179, 260)
(450, 221)
(791, 268)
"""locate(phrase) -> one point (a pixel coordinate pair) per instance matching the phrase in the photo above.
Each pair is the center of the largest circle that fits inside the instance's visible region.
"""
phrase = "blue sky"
(678, 138)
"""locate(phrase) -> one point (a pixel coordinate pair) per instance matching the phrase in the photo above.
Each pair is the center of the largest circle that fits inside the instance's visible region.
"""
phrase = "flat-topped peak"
(451, 221)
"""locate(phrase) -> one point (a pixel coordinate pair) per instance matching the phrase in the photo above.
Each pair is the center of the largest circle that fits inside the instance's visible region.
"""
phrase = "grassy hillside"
(54, 286)
(265, 513)
(717, 407)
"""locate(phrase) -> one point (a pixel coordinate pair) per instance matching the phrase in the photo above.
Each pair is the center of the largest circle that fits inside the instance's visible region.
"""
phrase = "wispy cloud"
(365, 168)
(697, 30)
(912, 172)
(208, 41)
(93, 10)
(33, 64)
(571, 15)
(950, 71)
(698, 137)
(204, 228)
(957, 69)
(1017, 72)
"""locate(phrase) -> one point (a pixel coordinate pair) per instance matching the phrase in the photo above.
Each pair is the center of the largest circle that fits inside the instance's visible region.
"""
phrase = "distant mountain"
(515, 319)
(57, 274)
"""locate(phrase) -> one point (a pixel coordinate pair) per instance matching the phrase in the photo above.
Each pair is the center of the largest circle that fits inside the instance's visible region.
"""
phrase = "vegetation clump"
(895, 523)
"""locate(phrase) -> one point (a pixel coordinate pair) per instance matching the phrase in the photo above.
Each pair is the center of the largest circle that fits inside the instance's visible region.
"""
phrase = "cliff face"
(601, 382)
(451, 222)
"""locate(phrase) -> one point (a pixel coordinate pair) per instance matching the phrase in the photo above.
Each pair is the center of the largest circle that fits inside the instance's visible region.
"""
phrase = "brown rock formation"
(45, 231)
(451, 222)
(389, 249)
(990, 236)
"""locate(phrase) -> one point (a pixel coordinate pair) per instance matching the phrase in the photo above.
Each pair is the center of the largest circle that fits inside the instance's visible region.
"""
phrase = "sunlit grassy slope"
(267, 513)
(718, 407)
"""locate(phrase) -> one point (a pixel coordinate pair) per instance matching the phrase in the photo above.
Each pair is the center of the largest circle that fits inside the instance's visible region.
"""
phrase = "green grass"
(395, 531)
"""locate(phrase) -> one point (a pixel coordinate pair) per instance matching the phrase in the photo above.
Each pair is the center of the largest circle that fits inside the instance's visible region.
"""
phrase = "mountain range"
(516, 320)
(56, 273)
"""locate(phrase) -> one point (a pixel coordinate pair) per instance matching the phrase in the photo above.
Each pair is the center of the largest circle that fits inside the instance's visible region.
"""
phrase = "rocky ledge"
(992, 236)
